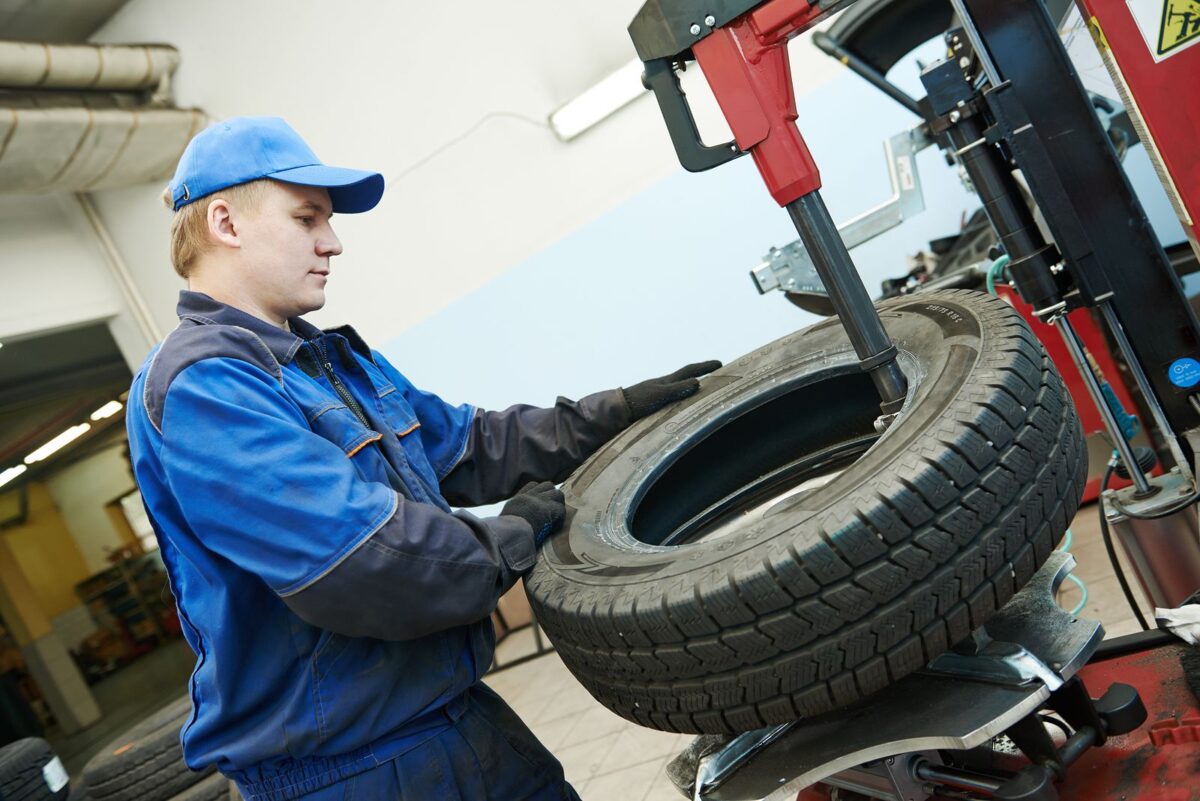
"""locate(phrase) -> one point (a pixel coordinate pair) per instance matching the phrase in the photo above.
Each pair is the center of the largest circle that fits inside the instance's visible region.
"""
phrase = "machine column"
(850, 299)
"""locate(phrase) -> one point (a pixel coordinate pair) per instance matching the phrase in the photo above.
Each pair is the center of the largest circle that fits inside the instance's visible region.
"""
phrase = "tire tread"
(901, 571)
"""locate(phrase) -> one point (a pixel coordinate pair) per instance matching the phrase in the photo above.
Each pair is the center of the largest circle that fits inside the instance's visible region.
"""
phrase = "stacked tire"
(146, 764)
(759, 553)
(30, 771)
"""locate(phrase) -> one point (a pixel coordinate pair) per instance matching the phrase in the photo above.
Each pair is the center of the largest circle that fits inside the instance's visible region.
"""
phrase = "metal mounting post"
(790, 267)
(1122, 446)
(1144, 386)
(850, 299)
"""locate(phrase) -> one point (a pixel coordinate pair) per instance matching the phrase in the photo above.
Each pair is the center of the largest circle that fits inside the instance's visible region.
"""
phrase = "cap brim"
(350, 191)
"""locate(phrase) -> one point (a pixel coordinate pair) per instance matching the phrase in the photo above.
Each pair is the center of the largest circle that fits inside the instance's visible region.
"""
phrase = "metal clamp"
(790, 268)
(1175, 491)
(998, 663)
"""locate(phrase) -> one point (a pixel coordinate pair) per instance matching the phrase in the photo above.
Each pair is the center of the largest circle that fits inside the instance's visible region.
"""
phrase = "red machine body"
(746, 65)
(1152, 49)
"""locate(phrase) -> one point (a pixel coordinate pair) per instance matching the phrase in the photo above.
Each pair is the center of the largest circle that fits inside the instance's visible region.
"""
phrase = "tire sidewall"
(939, 339)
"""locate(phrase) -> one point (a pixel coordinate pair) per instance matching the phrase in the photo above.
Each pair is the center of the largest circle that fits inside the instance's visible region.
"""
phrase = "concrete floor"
(604, 756)
(125, 697)
(1105, 603)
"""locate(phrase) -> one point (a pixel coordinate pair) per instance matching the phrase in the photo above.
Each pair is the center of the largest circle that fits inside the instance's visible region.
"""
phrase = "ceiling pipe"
(101, 68)
(138, 308)
(78, 118)
(84, 149)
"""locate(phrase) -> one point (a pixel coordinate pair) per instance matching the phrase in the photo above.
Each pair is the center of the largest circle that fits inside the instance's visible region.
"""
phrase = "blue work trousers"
(489, 754)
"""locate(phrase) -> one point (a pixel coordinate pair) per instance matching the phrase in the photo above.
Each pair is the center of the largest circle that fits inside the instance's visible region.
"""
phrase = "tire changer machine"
(1013, 712)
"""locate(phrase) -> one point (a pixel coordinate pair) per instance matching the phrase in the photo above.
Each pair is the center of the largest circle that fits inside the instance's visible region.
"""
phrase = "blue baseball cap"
(242, 149)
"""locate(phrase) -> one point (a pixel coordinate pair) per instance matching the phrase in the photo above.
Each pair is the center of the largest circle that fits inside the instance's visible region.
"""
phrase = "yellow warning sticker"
(1168, 26)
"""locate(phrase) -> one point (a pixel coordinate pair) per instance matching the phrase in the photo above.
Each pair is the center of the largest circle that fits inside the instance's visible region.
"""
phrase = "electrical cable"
(475, 126)
(1112, 553)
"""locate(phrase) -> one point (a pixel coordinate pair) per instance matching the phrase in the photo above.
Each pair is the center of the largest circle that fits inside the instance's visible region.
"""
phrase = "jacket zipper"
(338, 387)
(348, 399)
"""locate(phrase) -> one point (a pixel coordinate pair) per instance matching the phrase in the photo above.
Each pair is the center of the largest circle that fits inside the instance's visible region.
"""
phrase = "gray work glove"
(650, 396)
(541, 505)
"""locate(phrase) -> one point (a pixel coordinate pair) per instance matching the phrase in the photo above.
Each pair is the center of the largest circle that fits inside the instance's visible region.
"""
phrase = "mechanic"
(301, 490)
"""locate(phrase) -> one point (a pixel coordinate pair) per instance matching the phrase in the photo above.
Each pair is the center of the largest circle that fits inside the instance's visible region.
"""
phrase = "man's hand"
(541, 505)
(650, 396)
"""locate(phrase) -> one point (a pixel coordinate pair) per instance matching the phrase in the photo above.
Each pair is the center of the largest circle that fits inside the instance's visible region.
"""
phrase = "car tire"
(31, 771)
(757, 554)
(214, 787)
(146, 762)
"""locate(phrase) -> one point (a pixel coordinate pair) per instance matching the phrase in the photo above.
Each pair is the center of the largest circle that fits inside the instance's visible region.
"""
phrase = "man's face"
(286, 247)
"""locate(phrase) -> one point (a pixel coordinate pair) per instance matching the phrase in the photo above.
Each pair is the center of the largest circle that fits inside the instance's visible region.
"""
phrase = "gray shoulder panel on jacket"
(191, 343)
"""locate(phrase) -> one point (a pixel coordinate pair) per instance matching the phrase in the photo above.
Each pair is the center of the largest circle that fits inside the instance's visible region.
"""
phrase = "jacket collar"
(201, 308)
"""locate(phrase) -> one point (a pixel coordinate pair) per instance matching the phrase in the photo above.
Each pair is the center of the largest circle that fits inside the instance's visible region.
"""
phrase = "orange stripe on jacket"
(365, 443)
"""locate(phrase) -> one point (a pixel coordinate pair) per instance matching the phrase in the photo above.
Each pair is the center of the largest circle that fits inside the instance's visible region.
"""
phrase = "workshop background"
(503, 265)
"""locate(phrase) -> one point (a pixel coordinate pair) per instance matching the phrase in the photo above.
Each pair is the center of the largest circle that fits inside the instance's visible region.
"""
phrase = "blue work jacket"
(301, 489)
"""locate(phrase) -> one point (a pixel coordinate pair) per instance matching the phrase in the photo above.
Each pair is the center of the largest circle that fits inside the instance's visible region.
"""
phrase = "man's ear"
(221, 225)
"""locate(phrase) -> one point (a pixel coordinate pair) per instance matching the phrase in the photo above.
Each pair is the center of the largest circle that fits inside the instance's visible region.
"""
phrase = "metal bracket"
(999, 663)
(790, 268)
(1173, 487)
(1037, 646)
(892, 779)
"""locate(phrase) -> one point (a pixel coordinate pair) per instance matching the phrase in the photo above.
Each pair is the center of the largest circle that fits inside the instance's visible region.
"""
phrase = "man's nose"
(329, 245)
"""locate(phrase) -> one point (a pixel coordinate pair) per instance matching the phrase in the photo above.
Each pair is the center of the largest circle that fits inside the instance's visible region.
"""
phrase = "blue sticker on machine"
(1184, 373)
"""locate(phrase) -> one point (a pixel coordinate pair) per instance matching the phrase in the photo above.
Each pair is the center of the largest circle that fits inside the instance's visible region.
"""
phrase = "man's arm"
(504, 450)
(507, 449)
(261, 489)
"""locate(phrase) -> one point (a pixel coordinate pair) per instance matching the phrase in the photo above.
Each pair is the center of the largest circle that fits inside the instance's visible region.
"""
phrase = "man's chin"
(311, 303)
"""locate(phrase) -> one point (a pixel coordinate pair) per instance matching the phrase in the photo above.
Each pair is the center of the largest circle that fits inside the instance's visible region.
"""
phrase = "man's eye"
(308, 221)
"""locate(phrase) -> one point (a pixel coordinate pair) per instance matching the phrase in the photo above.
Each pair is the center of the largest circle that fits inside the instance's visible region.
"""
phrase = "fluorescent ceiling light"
(62, 440)
(11, 473)
(107, 410)
(611, 94)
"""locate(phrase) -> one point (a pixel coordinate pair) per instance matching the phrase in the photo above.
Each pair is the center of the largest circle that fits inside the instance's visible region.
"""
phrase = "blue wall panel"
(663, 279)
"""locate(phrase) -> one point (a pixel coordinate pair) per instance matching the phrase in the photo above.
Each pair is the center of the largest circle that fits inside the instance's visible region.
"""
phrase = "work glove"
(650, 396)
(541, 505)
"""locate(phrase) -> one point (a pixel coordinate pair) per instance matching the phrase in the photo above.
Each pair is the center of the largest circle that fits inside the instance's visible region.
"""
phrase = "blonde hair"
(189, 225)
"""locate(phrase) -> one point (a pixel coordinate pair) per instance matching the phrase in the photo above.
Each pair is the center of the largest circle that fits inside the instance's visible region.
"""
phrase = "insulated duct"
(113, 68)
(76, 118)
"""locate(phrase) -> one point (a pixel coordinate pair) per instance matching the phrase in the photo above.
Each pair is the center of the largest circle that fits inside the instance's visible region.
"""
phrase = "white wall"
(663, 279)
(81, 492)
(51, 277)
(54, 274)
(424, 93)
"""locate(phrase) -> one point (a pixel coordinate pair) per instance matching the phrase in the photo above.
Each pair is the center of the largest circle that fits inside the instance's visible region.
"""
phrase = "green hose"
(998, 266)
(1083, 590)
